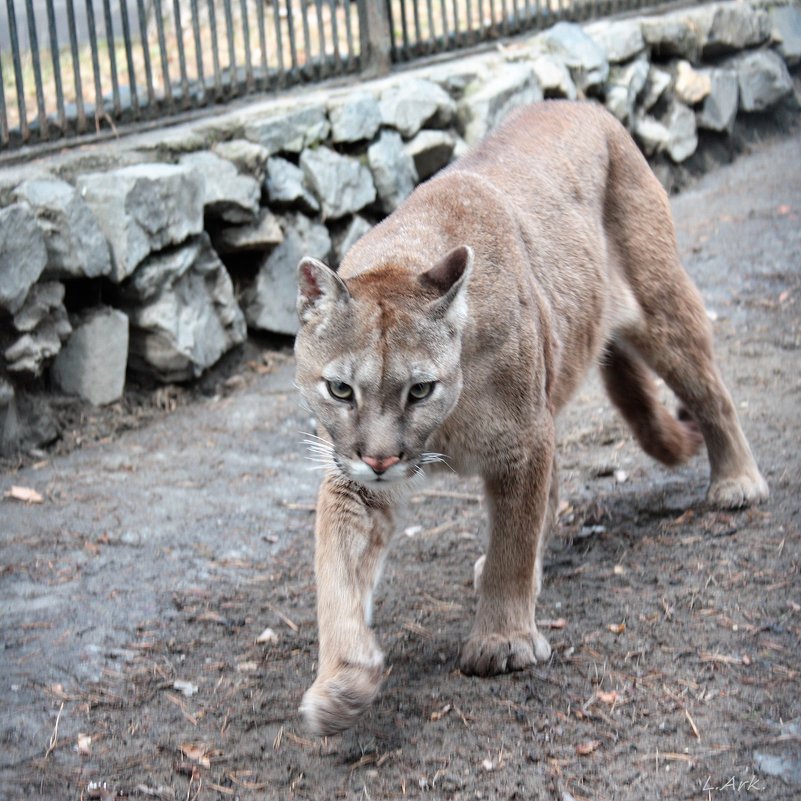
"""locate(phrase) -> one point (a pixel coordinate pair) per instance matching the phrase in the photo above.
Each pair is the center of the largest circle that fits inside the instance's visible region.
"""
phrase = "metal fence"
(76, 67)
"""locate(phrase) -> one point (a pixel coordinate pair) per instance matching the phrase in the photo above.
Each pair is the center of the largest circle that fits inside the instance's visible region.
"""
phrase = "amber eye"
(421, 391)
(339, 390)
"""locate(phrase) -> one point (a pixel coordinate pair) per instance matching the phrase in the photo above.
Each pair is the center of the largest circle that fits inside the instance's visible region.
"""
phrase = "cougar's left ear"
(449, 277)
(318, 286)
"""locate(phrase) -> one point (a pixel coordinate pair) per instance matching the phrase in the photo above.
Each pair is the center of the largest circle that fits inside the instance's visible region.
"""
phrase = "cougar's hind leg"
(631, 388)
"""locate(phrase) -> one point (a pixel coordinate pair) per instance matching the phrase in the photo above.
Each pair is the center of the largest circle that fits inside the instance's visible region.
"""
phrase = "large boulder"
(413, 103)
(585, 57)
(393, 170)
(76, 246)
(679, 34)
(719, 109)
(248, 157)
(228, 196)
(431, 151)
(553, 76)
(182, 311)
(144, 208)
(620, 39)
(23, 255)
(263, 234)
(682, 133)
(691, 86)
(270, 302)
(625, 86)
(289, 129)
(488, 100)
(786, 32)
(92, 363)
(735, 26)
(354, 118)
(342, 184)
(763, 79)
(286, 185)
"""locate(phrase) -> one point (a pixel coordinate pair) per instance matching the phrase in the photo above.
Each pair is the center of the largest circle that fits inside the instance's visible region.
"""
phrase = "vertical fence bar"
(90, 19)
(129, 64)
(112, 55)
(306, 38)
(243, 5)
(348, 31)
(229, 33)
(151, 95)
(201, 75)
(76, 67)
(375, 37)
(444, 11)
(335, 33)
(418, 35)
(15, 54)
(165, 66)
(279, 39)
(318, 6)
(215, 50)
(290, 27)
(56, 61)
(404, 28)
(179, 35)
(262, 45)
(431, 37)
(33, 41)
(456, 25)
(4, 133)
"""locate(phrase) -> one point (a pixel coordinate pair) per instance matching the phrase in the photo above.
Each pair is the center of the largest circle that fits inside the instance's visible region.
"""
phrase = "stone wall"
(157, 254)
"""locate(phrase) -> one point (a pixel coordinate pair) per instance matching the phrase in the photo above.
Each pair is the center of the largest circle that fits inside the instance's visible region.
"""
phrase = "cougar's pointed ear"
(449, 277)
(318, 286)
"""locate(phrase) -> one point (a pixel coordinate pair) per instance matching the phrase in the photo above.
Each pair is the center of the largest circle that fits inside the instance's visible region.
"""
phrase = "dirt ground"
(135, 593)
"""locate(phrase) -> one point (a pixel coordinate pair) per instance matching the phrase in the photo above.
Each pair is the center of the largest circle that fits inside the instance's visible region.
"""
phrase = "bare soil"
(134, 594)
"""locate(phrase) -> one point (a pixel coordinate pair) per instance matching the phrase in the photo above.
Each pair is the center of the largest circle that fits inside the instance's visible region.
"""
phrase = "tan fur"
(549, 247)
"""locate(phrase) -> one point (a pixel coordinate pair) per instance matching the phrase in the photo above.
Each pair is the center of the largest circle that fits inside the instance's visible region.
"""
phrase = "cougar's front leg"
(352, 535)
(505, 636)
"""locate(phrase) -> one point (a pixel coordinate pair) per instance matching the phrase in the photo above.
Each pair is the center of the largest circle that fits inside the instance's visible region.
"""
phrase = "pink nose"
(380, 464)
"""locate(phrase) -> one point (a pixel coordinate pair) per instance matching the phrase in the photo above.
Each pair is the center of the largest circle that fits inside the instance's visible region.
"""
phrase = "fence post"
(375, 37)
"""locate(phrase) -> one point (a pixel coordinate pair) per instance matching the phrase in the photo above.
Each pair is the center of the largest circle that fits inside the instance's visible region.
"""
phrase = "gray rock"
(347, 238)
(651, 134)
(487, 101)
(285, 184)
(586, 58)
(781, 766)
(735, 26)
(92, 364)
(75, 244)
(553, 76)
(624, 87)
(182, 311)
(227, 195)
(262, 234)
(455, 76)
(23, 255)
(620, 39)
(786, 31)
(430, 151)
(248, 157)
(763, 79)
(342, 184)
(682, 134)
(270, 303)
(43, 298)
(144, 208)
(354, 118)
(658, 81)
(6, 393)
(289, 129)
(676, 34)
(30, 353)
(413, 103)
(719, 110)
(393, 170)
(691, 86)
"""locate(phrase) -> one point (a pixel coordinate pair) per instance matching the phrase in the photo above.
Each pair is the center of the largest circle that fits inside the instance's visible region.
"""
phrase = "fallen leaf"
(621, 476)
(84, 744)
(607, 697)
(784, 296)
(440, 713)
(488, 765)
(585, 748)
(186, 687)
(617, 628)
(24, 494)
(559, 623)
(247, 667)
(618, 570)
(268, 635)
(197, 753)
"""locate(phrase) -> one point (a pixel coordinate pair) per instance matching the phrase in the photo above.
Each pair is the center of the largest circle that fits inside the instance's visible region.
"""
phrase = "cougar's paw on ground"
(734, 493)
(490, 654)
(334, 703)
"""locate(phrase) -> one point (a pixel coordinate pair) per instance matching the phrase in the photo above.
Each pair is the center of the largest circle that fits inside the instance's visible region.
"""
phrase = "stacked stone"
(198, 237)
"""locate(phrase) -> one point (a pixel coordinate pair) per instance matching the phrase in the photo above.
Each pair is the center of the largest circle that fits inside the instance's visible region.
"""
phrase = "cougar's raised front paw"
(334, 703)
(734, 493)
(490, 654)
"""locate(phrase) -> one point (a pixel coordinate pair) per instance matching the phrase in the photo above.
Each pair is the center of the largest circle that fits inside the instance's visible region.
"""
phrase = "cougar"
(455, 330)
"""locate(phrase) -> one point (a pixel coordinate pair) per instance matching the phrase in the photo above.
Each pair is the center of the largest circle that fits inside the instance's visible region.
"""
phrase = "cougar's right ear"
(318, 287)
